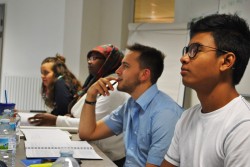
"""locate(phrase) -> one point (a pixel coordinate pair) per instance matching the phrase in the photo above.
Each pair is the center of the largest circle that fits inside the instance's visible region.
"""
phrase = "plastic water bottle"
(15, 121)
(7, 143)
(6, 114)
(66, 160)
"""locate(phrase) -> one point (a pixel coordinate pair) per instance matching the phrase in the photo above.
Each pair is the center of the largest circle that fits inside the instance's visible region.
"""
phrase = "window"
(154, 11)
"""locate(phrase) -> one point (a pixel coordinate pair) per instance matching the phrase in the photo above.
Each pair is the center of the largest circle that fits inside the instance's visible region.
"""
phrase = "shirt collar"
(145, 99)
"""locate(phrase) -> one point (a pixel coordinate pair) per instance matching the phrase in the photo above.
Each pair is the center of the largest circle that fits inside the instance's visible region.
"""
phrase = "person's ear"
(228, 61)
(145, 74)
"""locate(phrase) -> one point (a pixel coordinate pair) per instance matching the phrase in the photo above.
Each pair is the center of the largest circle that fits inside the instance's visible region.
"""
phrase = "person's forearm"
(88, 119)
(150, 165)
(166, 164)
(88, 128)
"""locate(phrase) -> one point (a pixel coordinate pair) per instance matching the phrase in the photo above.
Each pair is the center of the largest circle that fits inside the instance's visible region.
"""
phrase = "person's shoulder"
(164, 95)
(164, 99)
(189, 114)
(192, 110)
(60, 81)
(244, 104)
(240, 109)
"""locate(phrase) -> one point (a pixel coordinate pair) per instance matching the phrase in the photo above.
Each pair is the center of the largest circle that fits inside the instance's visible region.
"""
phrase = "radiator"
(24, 91)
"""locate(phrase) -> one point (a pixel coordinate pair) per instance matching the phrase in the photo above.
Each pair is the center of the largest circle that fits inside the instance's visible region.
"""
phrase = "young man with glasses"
(216, 132)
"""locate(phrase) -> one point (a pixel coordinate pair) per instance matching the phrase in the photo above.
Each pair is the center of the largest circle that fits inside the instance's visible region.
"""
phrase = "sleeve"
(163, 125)
(112, 110)
(115, 120)
(236, 146)
(65, 121)
(62, 98)
(104, 106)
(77, 108)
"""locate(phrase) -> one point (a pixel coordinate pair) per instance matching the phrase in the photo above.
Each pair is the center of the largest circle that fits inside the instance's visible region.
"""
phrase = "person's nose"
(118, 71)
(89, 61)
(184, 59)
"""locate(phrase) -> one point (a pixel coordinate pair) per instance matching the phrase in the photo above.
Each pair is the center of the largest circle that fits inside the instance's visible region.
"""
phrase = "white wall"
(90, 36)
(36, 29)
(33, 30)
(72, 34)
(104, 21)
(186, 10)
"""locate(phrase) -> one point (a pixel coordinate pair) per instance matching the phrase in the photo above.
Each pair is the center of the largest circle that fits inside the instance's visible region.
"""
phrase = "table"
(106, 162)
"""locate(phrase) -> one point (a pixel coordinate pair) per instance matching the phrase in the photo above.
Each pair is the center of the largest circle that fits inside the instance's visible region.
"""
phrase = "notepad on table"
(46, 135)
(82, 149)
(47, 143)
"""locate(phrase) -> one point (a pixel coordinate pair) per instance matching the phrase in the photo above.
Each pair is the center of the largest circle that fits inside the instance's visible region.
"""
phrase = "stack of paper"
(46, 135)
(47, 143)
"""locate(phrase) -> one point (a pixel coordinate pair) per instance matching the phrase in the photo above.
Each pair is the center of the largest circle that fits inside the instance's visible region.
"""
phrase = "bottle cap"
(5, 120)
(66, 153)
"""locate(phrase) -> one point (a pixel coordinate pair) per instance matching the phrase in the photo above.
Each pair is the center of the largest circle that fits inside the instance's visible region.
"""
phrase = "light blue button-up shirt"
(148, 126)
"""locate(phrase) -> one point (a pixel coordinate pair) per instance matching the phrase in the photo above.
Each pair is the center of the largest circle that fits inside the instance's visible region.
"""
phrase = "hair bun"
(60, 58)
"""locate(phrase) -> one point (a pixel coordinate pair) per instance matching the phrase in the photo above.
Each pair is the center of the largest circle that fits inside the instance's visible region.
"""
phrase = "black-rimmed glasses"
(93, 58)
(194, 48)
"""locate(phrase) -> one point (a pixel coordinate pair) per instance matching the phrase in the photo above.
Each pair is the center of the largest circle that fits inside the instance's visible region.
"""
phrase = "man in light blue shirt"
(147, 119)
(154, 124)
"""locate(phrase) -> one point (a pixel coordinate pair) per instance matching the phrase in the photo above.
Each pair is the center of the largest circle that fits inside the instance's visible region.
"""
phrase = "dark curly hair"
(60, 70)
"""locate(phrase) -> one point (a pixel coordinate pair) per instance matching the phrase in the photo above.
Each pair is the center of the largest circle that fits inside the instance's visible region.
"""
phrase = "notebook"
(46, 134)
(81, 149)
(47, 143)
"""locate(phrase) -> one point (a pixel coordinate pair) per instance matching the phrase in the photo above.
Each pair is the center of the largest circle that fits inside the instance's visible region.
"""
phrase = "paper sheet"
(46, 135)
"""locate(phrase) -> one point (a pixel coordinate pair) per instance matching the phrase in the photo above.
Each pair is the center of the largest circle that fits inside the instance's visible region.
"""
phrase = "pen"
(108, 87)
(112, 85)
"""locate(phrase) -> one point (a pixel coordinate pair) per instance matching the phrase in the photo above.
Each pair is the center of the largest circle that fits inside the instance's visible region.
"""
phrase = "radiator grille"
(24, 91)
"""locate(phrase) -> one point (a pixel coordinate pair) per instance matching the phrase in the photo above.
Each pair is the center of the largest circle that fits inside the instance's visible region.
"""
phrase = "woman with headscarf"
(102, 61)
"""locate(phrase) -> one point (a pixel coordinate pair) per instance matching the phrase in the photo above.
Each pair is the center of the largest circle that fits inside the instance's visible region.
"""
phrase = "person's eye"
(125, 66)
(198, 49)
(45, 73)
